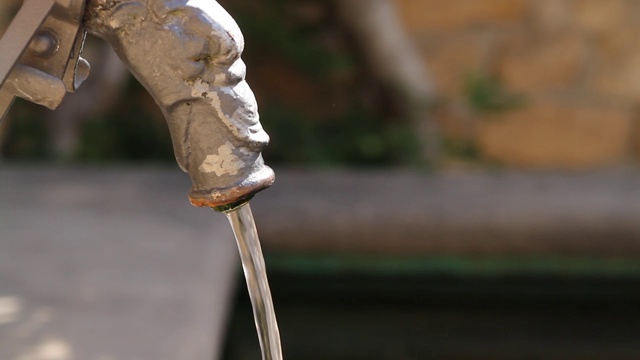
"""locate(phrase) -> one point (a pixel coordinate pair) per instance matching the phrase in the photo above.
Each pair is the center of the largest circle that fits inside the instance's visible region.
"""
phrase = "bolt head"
(44, 44)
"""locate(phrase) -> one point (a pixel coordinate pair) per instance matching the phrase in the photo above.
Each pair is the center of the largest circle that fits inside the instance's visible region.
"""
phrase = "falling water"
(244, 228)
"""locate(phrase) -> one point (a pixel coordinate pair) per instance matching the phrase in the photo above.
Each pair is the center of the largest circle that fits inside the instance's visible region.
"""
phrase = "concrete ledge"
(511, 214)
(110, 265)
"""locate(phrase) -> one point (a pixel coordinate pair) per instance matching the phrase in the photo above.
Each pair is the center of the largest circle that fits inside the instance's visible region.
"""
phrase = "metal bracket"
(6, 100)
(40, 53)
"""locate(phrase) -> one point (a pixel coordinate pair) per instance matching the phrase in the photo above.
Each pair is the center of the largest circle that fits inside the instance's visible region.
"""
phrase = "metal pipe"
(18, 36)
(6, 100)
(36, 86)
(187, 55)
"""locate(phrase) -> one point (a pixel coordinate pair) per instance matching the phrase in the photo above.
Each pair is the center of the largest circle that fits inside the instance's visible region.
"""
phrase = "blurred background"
(458, 179)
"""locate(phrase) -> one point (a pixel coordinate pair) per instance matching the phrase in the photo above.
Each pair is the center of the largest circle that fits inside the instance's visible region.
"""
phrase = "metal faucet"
(186, 53)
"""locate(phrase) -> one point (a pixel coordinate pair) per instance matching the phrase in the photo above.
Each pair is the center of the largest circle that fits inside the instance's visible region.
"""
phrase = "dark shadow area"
(430, 316)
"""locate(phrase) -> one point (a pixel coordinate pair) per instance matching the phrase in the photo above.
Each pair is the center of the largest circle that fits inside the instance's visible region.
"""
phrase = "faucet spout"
(186, 53)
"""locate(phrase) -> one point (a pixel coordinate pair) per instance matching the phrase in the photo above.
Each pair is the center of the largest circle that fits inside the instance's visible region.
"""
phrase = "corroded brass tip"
(237, 193)
(233, 206)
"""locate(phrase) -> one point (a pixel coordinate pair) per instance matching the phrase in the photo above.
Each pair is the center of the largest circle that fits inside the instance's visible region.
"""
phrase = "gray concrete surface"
(497, 213)
(110, 265)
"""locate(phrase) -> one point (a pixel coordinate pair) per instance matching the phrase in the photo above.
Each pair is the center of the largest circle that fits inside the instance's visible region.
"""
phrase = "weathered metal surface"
(19, 34)
(185, 52)
(42, 47)
(36, 86)
(15, 40)
(187, 55)
(6, 100)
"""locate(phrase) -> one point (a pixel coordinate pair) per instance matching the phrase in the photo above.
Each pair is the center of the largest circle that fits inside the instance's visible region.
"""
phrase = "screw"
(44, 44)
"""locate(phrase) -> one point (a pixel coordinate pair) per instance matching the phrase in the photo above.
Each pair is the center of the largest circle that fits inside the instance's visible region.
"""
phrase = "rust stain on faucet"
(187, 54)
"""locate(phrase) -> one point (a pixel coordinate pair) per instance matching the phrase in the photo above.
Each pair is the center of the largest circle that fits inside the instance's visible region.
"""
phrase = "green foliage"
(275, 29)
(27, 136)
(364, 132)
(486, 94)
(359, 137)
(461, 149)
(128, 132)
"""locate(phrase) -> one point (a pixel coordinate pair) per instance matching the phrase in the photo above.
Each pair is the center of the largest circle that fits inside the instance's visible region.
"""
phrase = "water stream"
(244, 228)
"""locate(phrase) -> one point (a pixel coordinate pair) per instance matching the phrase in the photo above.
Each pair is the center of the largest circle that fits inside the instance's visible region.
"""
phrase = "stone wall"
(573, 65)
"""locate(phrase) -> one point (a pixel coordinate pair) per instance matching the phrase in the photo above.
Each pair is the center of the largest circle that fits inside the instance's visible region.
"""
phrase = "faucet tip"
(221, 198)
